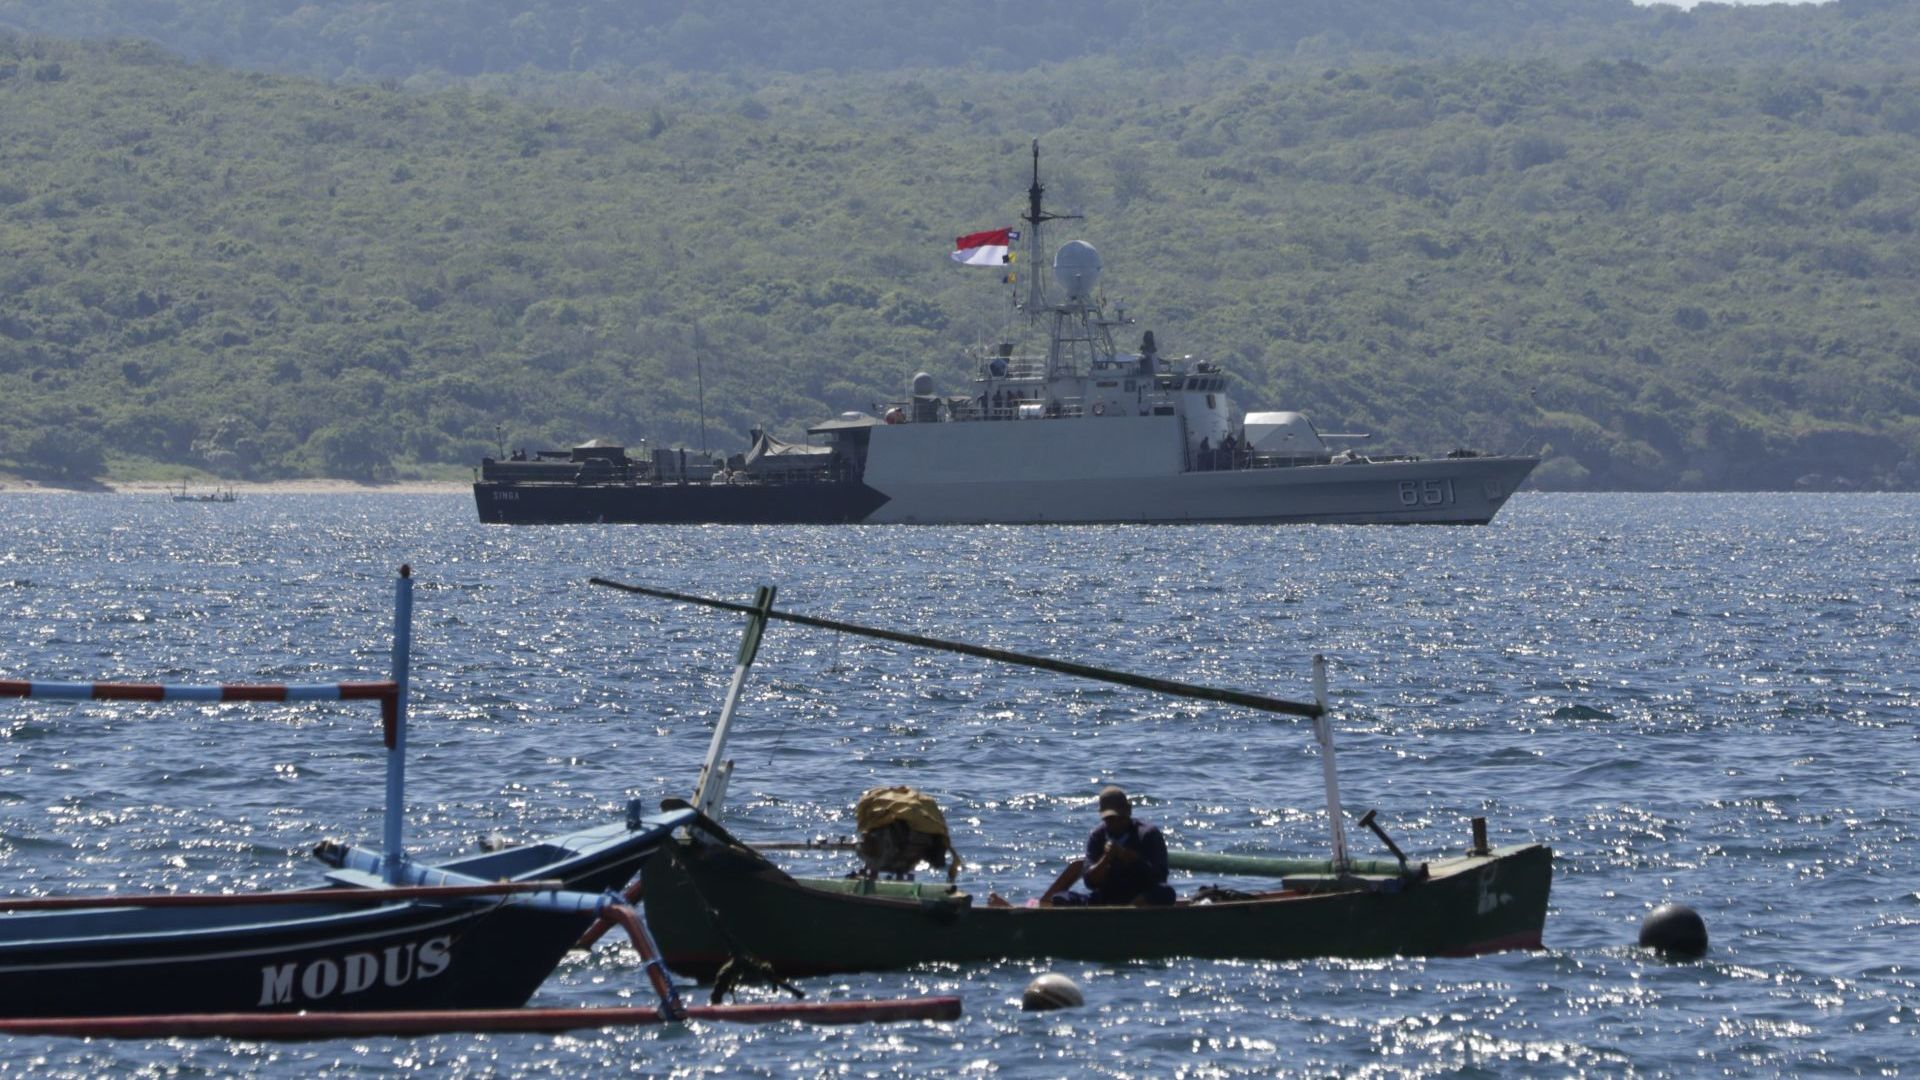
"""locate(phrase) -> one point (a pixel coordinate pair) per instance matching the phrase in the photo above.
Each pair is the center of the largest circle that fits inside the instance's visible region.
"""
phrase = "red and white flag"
(988, 248)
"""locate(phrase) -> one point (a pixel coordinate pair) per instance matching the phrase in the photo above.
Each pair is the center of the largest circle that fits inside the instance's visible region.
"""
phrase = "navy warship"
(1076, 431)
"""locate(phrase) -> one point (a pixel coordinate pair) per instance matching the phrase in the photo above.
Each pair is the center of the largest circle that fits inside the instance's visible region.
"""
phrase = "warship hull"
(1067, 471)
(625, 503)
(1468, 492)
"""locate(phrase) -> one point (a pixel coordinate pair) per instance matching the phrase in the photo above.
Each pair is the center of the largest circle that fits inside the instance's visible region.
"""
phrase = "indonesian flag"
(988, 248)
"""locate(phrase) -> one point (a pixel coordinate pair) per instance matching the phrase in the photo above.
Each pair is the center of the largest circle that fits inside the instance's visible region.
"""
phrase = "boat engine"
(901, 830)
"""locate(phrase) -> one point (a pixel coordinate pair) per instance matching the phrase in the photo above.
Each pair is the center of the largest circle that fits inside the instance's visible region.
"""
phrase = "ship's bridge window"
(1209, 402)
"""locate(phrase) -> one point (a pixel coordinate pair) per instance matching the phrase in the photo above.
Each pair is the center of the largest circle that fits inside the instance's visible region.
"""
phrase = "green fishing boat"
(710, 898)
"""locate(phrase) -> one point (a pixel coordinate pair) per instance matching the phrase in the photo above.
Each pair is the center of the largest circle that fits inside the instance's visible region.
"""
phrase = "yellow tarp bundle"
(883, 806)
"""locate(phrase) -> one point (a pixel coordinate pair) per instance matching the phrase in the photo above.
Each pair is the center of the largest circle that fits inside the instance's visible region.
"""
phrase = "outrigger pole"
(324, 1025)
(761, 610)
(1260, 702)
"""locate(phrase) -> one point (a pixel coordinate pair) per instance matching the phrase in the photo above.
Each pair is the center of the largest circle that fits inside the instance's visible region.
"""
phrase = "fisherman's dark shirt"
(1145, 876)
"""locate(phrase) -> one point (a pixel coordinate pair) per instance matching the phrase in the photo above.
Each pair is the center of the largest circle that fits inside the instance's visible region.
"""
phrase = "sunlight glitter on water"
(1690, 703)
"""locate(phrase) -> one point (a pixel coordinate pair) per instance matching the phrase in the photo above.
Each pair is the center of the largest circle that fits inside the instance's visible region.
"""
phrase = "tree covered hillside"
(1673, 278)
(398, 39)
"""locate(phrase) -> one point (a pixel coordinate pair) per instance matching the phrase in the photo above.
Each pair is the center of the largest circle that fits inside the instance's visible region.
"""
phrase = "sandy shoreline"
(242, 489)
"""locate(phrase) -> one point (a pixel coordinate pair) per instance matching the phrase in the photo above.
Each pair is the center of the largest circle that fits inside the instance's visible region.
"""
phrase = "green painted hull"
(706, 900)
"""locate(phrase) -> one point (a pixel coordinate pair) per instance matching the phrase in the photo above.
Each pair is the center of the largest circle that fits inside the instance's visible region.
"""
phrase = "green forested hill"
(400, 39)
(1675, 277)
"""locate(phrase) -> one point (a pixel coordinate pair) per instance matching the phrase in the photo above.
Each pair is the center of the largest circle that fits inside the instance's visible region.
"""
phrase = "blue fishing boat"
(384, 932)
(416, 946)
(378, 947)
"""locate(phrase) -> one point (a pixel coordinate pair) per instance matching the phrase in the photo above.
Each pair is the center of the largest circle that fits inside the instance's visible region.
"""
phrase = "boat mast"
(394, 859)
(711, 789)
(1323, 734)
(1036, 265)
(700, 374)
(1039, 273)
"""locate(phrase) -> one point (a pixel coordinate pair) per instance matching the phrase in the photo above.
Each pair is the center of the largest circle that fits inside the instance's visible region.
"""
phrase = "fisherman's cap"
(1114, 804)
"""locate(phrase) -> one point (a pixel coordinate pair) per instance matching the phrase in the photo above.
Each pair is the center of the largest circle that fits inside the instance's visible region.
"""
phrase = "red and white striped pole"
(383, 692)
(392, 696)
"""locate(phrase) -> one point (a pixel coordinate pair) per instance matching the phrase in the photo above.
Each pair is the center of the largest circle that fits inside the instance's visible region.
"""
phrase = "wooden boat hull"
(408, 955)
(706, 900)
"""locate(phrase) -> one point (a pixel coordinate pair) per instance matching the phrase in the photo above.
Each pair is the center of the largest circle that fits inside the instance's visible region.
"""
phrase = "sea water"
(1707, 699)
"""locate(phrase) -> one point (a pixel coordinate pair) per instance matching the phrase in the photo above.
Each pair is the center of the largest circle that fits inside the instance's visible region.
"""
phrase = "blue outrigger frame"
(481, 932)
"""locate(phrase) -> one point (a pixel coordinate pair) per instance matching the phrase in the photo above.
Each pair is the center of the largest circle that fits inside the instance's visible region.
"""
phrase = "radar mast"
(1037, 270)
(1070, 329)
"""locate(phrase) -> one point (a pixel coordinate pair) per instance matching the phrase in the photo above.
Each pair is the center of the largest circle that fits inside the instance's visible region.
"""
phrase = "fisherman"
(1126, 862)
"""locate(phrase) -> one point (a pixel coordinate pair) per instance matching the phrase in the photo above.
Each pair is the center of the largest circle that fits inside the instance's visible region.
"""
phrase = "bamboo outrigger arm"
(711, 791)
(1259, 702)
(714, 773)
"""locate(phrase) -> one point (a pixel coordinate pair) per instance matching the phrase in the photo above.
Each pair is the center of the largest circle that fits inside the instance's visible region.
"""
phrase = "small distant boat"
(217, 495)
(713, 897)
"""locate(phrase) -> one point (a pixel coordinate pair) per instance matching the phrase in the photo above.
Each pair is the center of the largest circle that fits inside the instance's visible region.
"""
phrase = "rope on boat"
(387, 693)
(740, 970)
(740, 966)
(1260, 702)
(603, 924)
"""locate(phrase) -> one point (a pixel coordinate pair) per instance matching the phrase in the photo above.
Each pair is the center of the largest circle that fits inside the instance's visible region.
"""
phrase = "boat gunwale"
(1439, 870)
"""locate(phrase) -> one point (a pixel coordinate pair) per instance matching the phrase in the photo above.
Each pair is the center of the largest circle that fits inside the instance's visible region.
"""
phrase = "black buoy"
(1051, 991)
(1675, 929)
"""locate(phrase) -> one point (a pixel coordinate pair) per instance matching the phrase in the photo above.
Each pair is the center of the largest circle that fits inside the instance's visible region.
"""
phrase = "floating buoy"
(1051, 991)
(1676, 929)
